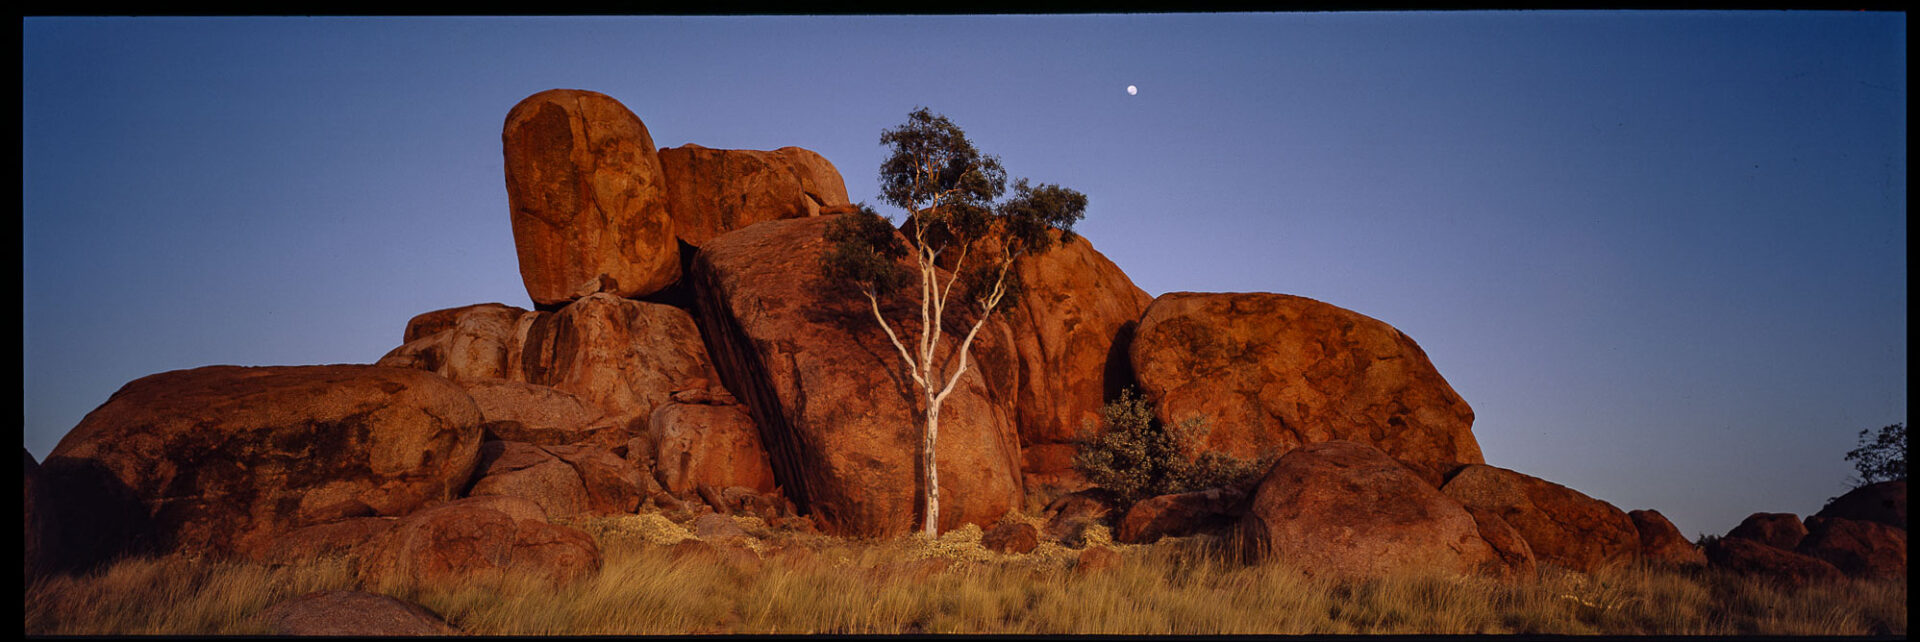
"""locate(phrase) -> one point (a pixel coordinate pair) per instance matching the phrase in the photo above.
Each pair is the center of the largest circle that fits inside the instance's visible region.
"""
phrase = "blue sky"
(1663, 255)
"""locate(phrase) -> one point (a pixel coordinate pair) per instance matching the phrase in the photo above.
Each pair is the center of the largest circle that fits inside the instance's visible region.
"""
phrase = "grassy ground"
(786, 582)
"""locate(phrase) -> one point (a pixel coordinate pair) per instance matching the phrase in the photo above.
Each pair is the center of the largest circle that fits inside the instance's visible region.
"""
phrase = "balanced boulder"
(1273, 372)
(588, 199)
(222, 459)
(714, 191)
(829, 392)
(1346, 509)
(1561, 525)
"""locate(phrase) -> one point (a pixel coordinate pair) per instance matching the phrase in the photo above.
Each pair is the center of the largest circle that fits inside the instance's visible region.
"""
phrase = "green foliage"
(864, 251)
(1137, 457)
(1882, 459)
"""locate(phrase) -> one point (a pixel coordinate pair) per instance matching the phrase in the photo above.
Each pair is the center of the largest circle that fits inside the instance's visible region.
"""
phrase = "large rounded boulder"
(1274, 372)
(223, 459)
(464, 344)
(829, 392)
(1561, 525)
(1346, 509)
(1856, 547)
(1661, 542)
(715, 445)
(588, 198)
(714, 191)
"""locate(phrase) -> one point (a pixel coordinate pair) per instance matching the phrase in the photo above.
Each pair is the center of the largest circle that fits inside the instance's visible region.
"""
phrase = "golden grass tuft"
(808, 584)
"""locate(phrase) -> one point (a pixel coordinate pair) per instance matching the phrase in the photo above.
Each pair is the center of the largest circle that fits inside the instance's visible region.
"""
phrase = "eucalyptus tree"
(948, 191)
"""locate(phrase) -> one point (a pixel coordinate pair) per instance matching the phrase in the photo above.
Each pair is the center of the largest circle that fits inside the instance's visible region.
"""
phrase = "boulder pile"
(683, 355)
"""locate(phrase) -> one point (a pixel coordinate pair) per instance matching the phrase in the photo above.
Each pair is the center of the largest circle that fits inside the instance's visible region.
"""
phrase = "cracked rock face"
(1274, 372)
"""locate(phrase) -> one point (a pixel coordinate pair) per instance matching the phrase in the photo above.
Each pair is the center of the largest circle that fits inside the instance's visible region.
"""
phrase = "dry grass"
(792, 583)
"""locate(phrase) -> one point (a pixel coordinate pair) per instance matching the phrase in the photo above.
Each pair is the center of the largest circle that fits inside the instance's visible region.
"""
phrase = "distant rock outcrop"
(1779, 530)
(224, 459)
(1883, 502)
(1346, 509)
(714, 191)
(588, 199)
(1751, 557)
(826, 387)
(1563, 526)
(1275, 372)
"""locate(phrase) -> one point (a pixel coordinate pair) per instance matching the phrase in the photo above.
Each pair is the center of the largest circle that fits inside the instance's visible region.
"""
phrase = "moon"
(1131, 90)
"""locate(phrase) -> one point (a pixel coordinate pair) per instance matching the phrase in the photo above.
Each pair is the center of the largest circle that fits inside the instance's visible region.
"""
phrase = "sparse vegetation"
(1884, 458)
(806, 583)
(1137, 457)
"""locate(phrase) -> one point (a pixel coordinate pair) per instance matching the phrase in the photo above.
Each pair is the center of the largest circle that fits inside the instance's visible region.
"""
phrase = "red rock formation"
(1857, 548)
(332, 538)
(223, 459)
(1779, 530)
(1345, 509)
(511, 409)
(565, 481)
(1747, 556)
(1884, 502)
(1274, 372)
(1181, 514)
(1507, 543)
(624, 356)
(1560, 524)
(1662, 543)
(710, 445)
(457, 541)
(588, 199)
(826, 388)
(464, 344)
(1069, 328)
(714, 191)
(351, 613)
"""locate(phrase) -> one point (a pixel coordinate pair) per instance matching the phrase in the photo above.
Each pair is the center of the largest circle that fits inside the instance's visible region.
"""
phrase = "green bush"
(1136, 457)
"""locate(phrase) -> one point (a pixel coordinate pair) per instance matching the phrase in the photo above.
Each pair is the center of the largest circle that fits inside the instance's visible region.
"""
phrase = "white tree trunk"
(932, 524)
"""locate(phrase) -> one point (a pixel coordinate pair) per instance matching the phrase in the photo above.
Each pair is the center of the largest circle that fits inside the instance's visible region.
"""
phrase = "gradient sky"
(1663, 255)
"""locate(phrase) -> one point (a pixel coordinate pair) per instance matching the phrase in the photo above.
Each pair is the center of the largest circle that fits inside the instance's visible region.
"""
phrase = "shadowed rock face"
(1751, 557)
(587, 197)
(38, 536)
(1274, 372)
(222, 459)
(1779, 530)
(836, 410)
(1884, 502)
(1858, 548)
(1561, 525)
(1345, 509)
(1662, 543)
(714, 191)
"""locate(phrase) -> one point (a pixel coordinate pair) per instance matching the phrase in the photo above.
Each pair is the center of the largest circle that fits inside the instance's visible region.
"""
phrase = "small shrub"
(1137, 457)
